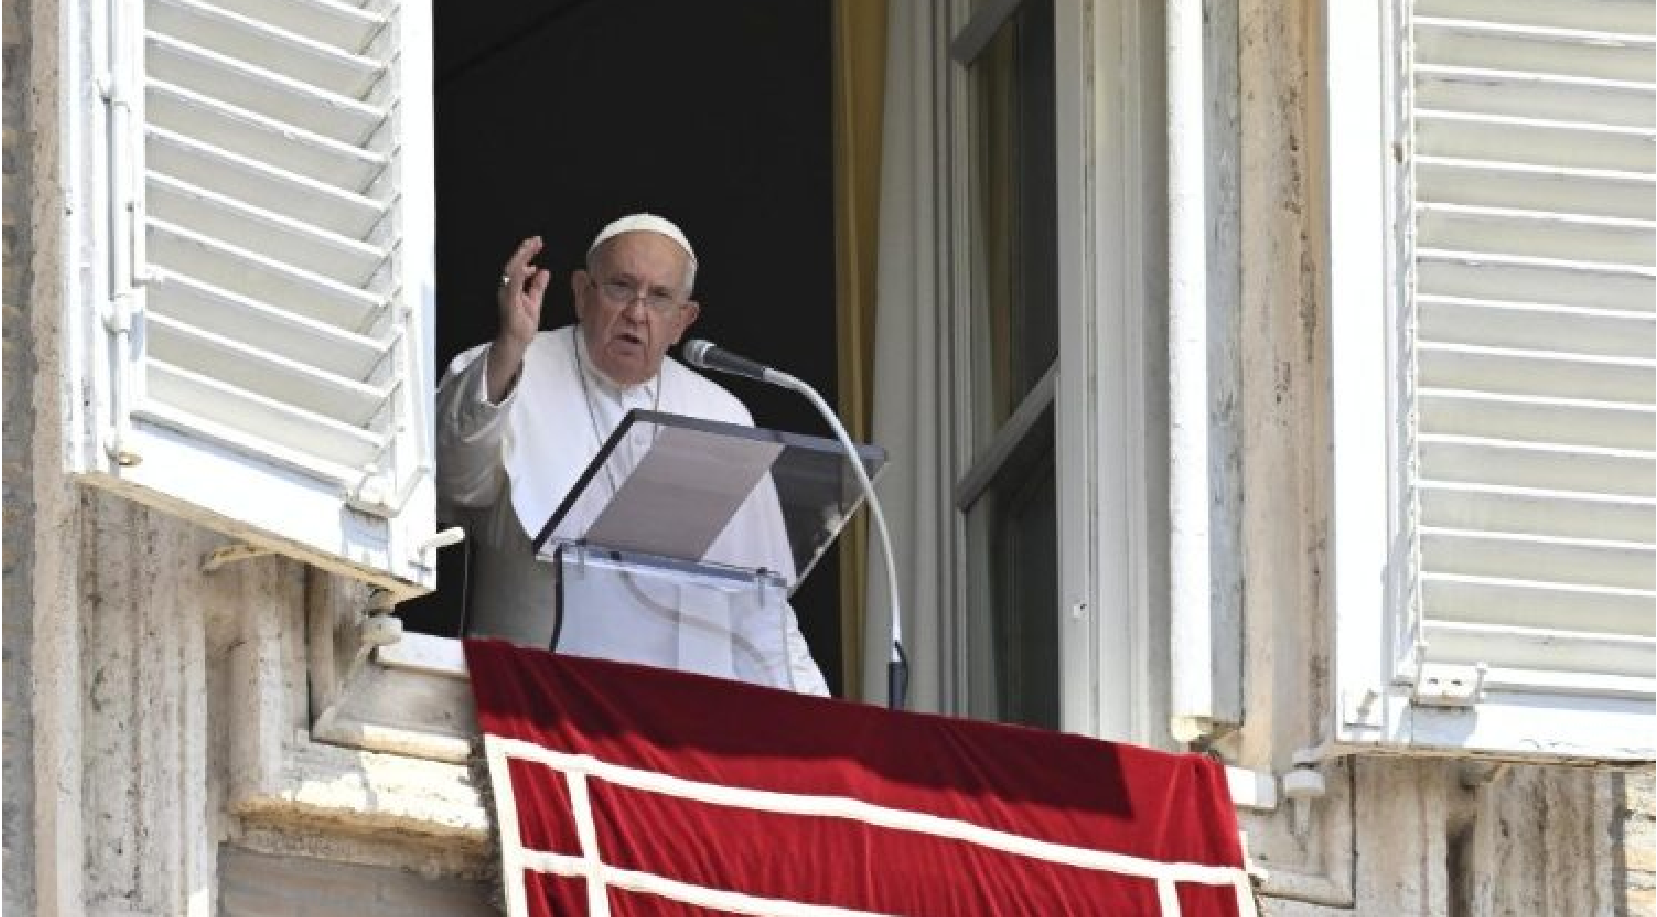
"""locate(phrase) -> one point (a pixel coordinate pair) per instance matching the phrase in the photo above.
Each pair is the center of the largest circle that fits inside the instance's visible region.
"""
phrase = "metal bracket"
(231, 553)
(1362, 709)
(423, 552)
(1439, 685)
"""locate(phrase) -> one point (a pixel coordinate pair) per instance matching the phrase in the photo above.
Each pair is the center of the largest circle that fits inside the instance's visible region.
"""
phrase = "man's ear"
(688, 314)
(580, 287)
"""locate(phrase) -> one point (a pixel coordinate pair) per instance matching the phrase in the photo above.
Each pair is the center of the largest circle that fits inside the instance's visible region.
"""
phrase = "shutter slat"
(1555, 236)
(1490, 602)
(1615, 16)
(250, 134)
(1620, 572)
(1457, 458)
(1584, 192)
(222, 312)
(1517, 94)
(1541, 513)
(1537, 49)
(1523, 278)
(1566, 143)
(263, 373)
(262, 426)
(273, 95)
(1541, 648)
(306, 247)
(1507, 371)
(266, 187)
(252, 274)
(1564, 421)
(1532, 326)
(262, 45)
(343, 25)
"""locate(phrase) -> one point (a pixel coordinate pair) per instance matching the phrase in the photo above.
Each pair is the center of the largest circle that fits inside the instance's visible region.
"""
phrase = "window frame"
(1108, 412)
(983, 455)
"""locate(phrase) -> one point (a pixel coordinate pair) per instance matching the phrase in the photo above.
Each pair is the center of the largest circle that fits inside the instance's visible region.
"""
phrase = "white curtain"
(911, 391)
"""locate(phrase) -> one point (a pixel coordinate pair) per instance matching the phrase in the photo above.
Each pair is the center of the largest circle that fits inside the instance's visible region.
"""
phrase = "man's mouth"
(628, 337)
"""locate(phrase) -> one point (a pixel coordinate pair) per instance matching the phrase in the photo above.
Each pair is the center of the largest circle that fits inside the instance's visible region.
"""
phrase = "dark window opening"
(554, 118)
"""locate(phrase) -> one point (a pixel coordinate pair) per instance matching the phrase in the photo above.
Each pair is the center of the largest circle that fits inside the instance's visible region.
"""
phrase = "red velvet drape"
(880, 811)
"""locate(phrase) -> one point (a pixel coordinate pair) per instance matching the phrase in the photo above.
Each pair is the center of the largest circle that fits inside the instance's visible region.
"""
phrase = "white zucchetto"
(643, 222)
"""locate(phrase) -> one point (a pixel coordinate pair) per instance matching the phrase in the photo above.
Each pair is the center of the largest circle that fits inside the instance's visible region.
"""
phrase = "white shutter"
(1527, 406)
(268, 181)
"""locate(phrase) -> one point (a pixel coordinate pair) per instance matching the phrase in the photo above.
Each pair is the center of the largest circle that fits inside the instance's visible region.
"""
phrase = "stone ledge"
(370, 791)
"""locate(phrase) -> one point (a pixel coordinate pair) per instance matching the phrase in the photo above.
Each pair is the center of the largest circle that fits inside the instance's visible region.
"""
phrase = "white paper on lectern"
(683, 492)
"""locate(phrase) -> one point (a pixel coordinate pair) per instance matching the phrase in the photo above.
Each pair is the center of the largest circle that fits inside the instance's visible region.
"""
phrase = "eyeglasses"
(624, 293)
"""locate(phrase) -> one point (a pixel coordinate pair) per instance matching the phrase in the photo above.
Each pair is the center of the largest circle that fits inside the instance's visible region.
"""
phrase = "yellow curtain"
(859, 35)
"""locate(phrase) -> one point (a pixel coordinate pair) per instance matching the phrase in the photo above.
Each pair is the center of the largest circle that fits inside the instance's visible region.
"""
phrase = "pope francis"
(519, 419)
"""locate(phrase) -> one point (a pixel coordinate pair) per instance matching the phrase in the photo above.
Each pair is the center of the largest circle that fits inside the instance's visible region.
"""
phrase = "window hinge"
(1439, 685)
(371, 495)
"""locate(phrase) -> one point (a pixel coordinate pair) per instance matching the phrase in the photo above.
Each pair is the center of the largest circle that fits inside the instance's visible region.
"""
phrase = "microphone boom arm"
(897, 668)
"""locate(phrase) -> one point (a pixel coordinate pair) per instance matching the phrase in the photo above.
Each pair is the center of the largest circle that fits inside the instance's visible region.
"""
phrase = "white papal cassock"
(506, 467)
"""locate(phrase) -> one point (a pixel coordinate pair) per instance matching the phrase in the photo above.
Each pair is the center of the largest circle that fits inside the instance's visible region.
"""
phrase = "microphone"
(704, 355)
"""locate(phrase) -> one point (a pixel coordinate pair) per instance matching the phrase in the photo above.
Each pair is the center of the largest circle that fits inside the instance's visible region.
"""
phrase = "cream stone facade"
(196, 728)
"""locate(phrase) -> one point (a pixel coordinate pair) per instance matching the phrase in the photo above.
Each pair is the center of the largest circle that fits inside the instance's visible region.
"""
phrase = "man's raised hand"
(518, 298)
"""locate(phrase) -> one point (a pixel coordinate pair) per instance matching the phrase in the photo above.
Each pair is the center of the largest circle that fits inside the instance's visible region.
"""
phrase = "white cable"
(790, 382)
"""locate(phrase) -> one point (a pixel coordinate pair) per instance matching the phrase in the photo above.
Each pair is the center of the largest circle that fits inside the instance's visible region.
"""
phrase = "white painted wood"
(188, 160)
(253, 40)
(274, 176)
(348, 26)
(327, 348)
(178, 60)
(1362, 298)
(1561, 724)
(1528, 352)
(235, 222)
(262, 139)
(1075, 410)
(310, 442)
(256, 370)
(1111, 217)
(1190, 602)
(268, 280)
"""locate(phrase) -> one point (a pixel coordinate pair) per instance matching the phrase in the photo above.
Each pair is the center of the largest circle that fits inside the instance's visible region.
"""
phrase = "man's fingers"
(526, 250)
(538, 283)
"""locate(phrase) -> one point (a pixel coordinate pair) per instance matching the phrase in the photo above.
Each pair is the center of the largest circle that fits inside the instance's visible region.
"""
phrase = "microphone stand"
(897, 669)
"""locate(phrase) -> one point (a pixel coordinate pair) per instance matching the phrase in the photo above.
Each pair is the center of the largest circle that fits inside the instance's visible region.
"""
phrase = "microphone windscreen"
(695, 352)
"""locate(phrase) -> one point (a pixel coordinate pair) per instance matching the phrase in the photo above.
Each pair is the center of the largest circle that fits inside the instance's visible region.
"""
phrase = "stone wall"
(1634, 839)
(17, 771)
(267, 885)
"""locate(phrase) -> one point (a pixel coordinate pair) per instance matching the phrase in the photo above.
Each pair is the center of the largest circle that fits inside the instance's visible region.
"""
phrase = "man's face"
(633, 305)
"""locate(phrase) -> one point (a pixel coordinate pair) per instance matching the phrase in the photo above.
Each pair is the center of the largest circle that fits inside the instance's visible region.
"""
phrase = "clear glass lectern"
(683, 539)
